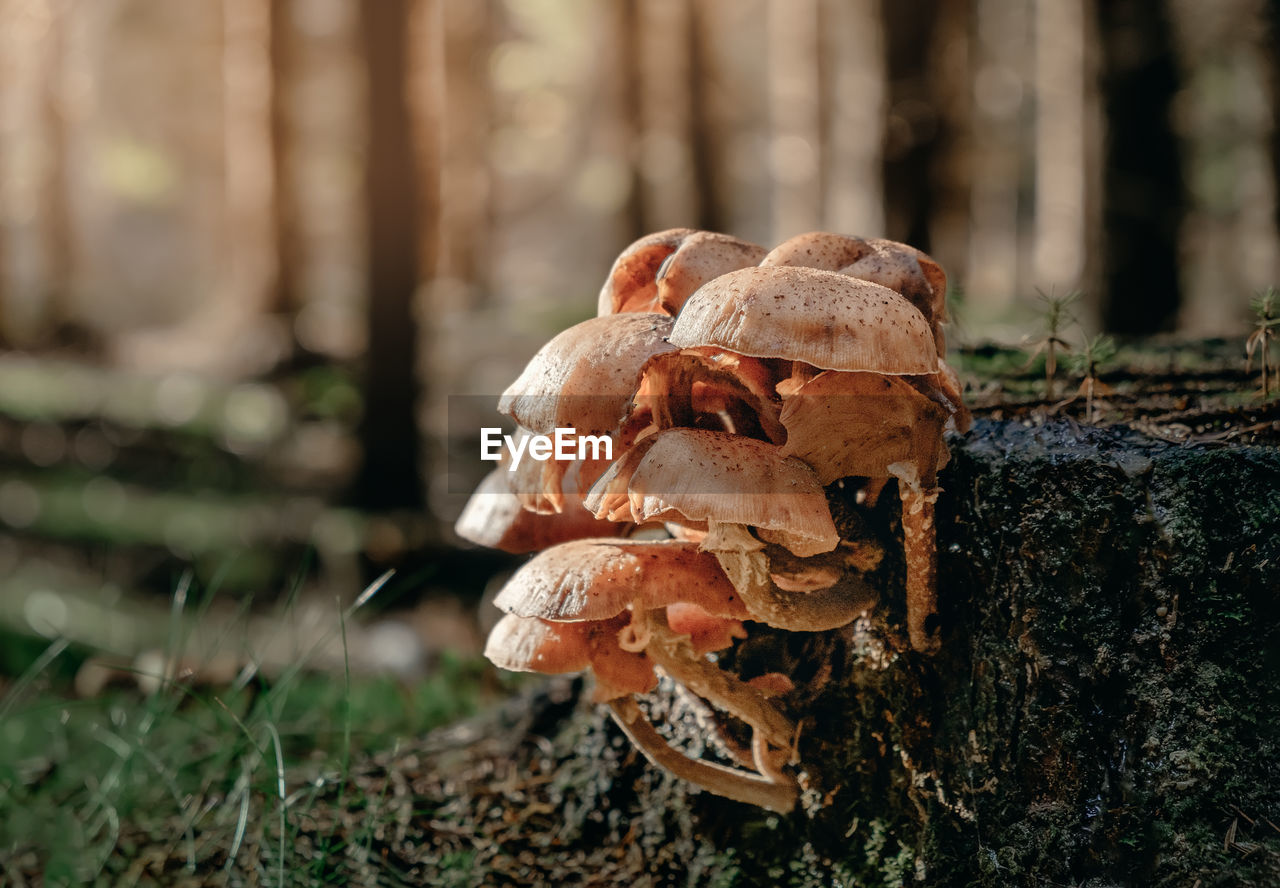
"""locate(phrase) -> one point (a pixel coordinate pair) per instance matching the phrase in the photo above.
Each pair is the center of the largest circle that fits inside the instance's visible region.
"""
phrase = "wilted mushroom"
(532, 644)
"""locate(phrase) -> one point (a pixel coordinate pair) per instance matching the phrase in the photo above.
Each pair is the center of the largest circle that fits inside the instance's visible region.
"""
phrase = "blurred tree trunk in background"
(706, 142)
(1223, 118)
(1067, 153)
(911, 122)
(323, 101)
(664, 153)
(389, 478)
(950, 84)
(1001, 52)
(455, 99)
(33, 228)
(282, 54)
(795, 125)
(853, 63)
(733, 111)
(250, 259)
(1144, 195)
(623, 96)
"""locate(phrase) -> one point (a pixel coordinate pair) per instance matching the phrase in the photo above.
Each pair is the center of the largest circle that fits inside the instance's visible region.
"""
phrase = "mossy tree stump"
(1103, 710)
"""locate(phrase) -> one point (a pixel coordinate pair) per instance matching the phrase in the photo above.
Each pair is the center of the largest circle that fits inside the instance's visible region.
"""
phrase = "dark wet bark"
(1103, 710)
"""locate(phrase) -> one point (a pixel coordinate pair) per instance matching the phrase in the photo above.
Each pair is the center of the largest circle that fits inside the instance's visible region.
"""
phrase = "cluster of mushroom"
(734, 384)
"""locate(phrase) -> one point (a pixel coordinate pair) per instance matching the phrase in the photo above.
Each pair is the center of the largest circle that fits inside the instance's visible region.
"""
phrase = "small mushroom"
(658, 272)
(494, 517)
(532, 644)
(585, 379)
(702, 256)
(908, 271)
(900, 267)
(702, 478)
(595, 579)
(857, 424)
(632, 281)
(873, 426)
(586, 376)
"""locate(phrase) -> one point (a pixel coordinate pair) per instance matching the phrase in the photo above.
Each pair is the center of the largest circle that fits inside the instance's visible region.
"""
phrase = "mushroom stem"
(920, 548)
(731, 783)
(673, 653)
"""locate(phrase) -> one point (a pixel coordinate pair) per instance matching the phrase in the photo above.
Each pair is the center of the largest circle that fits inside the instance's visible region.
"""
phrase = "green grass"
(192, 781)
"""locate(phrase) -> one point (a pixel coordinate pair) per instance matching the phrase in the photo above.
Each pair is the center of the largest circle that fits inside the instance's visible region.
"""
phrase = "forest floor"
(320, 780)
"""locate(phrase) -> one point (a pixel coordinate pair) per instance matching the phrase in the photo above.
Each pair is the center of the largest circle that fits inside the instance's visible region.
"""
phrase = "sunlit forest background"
(249, 249)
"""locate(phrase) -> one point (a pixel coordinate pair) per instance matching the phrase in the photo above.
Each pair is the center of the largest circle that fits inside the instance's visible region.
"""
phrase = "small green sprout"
(1056, 317)
(1095, 352)
(1266, 313)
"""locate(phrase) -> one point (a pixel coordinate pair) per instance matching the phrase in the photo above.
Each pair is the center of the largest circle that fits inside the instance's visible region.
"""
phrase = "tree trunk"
(390, 476)
(1103, 711)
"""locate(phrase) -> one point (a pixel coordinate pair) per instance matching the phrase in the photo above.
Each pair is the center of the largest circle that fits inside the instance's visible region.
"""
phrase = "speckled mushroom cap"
(529, 644)
(906, 270)
(585, 377)
(700, 477)
(595, 579)
(827, 319)
(818, 249)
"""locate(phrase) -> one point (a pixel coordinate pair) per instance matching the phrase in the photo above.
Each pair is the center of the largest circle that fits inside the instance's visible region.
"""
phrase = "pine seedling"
(1057, 315)
(1266, 329)
(1095, 352)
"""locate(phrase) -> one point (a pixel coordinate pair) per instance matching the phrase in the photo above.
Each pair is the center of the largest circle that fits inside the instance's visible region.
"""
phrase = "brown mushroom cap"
(898, 266)
(659, 271)
(631, 284)
(700, 477)
(845, 424)
(595, 579)
(528, 644)
(823, 318)
(702, 256)
(494, 517)
(818, 249)
(908, 271)
(586, 376)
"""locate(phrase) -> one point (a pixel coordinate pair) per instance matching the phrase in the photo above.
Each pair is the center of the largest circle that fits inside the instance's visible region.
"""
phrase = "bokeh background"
(250, 248)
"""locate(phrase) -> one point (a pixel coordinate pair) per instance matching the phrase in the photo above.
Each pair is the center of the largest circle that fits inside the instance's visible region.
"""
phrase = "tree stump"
(1103, 710)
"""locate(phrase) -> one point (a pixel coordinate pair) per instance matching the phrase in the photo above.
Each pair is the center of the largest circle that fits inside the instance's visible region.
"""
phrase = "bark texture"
(1102, 711)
